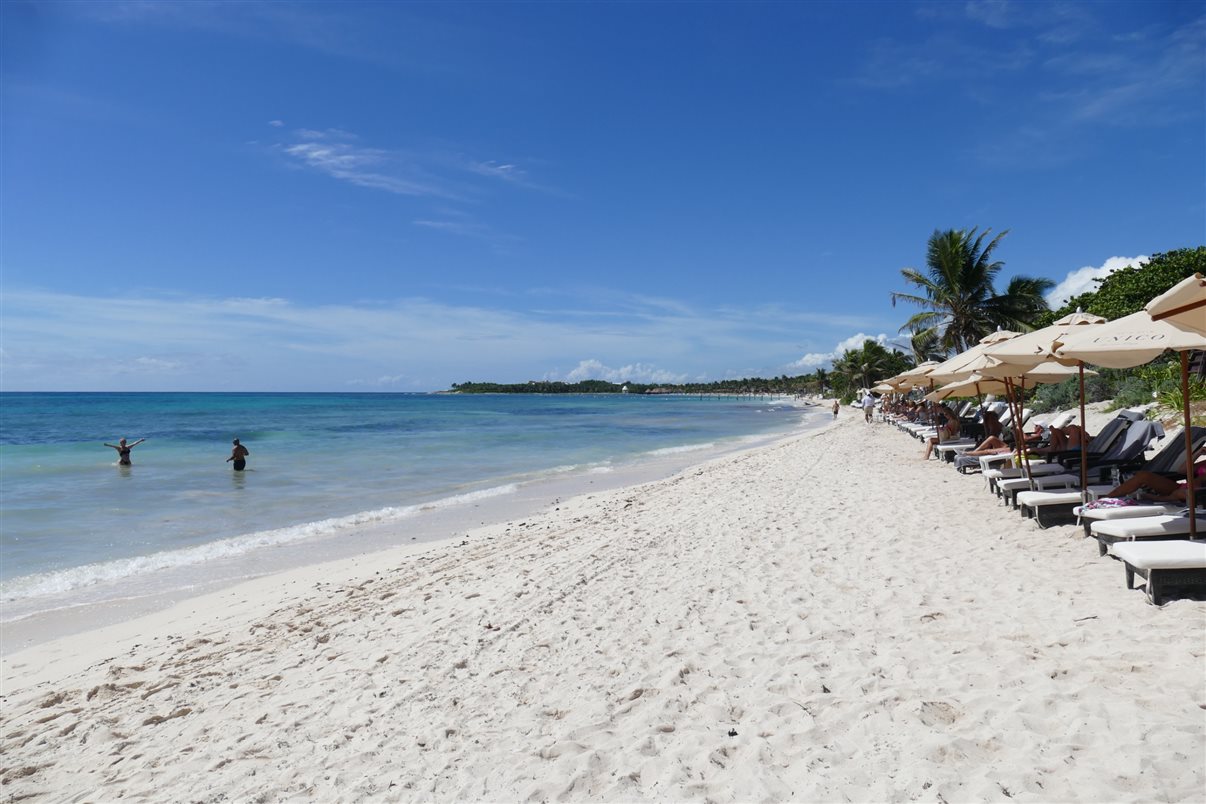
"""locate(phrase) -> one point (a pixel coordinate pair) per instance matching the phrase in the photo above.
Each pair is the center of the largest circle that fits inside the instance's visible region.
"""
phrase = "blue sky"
(398, 196)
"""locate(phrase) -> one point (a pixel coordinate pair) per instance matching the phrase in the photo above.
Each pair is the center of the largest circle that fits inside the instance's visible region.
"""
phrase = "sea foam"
(68, 580)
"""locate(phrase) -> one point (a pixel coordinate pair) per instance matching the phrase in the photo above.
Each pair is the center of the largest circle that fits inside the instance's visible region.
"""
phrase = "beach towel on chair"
(1109, 502)
(965, 462)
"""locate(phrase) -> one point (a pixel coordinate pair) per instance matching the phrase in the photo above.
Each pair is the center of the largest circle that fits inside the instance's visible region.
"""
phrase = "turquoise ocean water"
(322, 465)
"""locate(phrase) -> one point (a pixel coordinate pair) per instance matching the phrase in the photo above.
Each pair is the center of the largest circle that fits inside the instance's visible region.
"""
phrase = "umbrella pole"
(1189, 478)
(1019, 432)
(1017, 447)
(1084, 441)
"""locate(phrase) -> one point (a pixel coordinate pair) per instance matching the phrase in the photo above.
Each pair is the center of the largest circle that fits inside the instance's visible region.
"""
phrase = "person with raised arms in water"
(239, 456)
(123, 451)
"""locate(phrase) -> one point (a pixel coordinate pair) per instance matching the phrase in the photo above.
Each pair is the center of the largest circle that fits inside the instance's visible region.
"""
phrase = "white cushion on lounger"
(1041, 481)
(958, 443)
(1127, 511)
(1181, 554)
(1015, 471)
(1173, 524)
(1038, 499)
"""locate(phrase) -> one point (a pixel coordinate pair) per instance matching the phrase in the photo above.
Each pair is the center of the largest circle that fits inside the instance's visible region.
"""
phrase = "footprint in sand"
(934, 713)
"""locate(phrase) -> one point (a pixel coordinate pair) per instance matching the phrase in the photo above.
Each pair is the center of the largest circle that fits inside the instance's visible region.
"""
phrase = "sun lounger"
(1047, 506)
(947, 450)
(988, 462)
(1177, 564)
(1123, 453)
(1009, 488)
(1089, 516)
(1102, 443)
(1167, 462)
(994, 476)
(1063, 419)
(1146, 528)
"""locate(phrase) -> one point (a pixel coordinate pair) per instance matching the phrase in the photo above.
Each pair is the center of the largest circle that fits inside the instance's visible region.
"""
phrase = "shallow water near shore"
(328, 474)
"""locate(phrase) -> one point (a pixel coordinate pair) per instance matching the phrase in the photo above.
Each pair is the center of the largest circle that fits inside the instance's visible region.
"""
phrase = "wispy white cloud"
(452, 181)
(1086, 279)
(1140, 82)
(327, 29)
(157, 364)
(494, 170)
(993, 13)
(374, 168)
(384, 381)
(814, 360)
(465, 228)
(57, 341)
(635, 372)
(1089, 75)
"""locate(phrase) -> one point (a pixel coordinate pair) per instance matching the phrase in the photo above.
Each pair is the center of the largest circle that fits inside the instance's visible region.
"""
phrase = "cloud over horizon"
(814, 360)
(636, 372)
(1086, 279)
(58, 341)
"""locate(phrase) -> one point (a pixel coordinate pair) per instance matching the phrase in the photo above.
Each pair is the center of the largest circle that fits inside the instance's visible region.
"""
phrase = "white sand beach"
(824, 619)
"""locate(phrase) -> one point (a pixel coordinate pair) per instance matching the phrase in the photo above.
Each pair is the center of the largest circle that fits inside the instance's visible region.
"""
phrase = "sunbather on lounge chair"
(989, 446)
(992, 424)
(946, 431)
(997, 446)
(1159, 488)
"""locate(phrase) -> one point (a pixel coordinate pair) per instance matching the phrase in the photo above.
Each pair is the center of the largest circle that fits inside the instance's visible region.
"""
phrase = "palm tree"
(862, 367)
(922, 345)
(821, 376)
(960, 302)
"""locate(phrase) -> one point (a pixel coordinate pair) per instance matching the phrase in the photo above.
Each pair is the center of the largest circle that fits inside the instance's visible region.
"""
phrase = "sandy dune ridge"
(823, 619)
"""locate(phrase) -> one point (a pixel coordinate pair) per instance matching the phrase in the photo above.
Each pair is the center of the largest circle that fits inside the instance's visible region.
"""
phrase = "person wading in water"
(123, 451)
(239, 456)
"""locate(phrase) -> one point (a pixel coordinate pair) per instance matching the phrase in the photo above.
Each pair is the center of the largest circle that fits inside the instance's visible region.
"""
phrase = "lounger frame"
(1160, 580)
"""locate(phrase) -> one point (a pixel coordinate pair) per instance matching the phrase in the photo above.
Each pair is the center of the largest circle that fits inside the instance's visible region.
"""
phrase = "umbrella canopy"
(920, 370)
(1125, 342)
(913, 378)
(975, 385)
(1183, 305)
(1024, 373)
(966, 363)
(884, 388)
(981, 383)
(1035, 347)
(1137, 339)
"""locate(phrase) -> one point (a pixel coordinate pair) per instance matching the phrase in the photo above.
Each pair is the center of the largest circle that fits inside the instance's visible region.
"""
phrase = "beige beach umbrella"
(1034, 348)
(963, 365)
(918, 371)
(913, 378)
(1023, 373)
(981, 383)
(1132, 341)
(884, 388)
(1183, 305)
(1018, 375)
(969, 361)
(1126, 342)
(974, 385)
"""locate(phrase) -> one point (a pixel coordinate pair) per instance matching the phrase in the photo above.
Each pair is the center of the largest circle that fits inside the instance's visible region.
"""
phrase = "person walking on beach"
(868, 406)
(123, 451)
(239, 456)
(836, 408)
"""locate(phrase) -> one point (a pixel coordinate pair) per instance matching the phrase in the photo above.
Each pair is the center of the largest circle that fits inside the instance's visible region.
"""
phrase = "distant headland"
(754, 385)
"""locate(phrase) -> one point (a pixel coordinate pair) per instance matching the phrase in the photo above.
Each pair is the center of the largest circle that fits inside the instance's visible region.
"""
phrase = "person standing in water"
(239, 456)
(123, 451)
